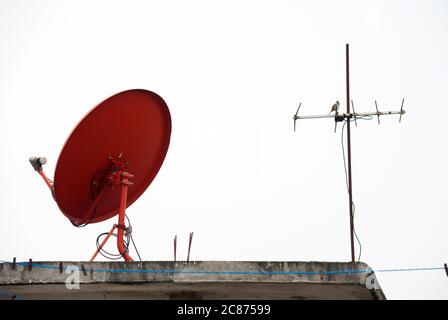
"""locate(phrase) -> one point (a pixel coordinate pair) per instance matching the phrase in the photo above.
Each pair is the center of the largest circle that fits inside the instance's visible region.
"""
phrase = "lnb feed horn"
(37, 162)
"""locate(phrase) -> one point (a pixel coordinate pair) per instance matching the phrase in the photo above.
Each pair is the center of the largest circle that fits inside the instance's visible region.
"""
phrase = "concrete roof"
(193, 280)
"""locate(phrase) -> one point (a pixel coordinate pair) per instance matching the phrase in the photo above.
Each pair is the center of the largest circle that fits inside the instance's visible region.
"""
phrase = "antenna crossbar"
(344, 116)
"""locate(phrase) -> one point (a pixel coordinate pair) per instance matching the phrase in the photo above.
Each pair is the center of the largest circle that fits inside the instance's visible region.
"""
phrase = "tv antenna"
(347, 117)
(108, 161)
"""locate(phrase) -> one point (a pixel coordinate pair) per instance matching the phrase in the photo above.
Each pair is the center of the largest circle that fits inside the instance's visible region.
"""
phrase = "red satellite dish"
(110, 158)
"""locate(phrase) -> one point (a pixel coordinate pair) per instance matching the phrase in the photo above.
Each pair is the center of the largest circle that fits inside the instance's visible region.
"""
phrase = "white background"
(232, 74)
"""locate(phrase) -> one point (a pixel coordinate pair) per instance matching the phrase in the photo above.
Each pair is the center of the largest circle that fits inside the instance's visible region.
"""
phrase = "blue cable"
(337, 272)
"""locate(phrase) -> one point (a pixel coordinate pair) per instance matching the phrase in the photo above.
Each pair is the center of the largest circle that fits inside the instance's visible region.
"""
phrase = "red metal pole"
(103, 243)
(124, 183)
(349, 153)
(121, 223)
(44, 176)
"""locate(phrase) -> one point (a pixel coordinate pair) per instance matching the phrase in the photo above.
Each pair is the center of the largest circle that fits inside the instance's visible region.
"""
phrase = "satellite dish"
(110, 159)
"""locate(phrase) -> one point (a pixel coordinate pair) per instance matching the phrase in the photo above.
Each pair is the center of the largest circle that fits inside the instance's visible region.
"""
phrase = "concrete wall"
(195, 280)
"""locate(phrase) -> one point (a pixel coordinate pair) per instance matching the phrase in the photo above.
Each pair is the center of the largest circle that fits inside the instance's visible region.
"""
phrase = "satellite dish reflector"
(135, 124)
(110, 158)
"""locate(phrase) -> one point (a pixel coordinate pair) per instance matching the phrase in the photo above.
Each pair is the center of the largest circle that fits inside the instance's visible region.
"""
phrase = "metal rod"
(402, 103)
(349, 152)
(175, 247)
(354, 113)
(376, 107)
(189, 246)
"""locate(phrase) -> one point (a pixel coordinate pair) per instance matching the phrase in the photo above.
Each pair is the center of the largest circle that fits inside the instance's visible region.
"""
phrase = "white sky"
(232, 74)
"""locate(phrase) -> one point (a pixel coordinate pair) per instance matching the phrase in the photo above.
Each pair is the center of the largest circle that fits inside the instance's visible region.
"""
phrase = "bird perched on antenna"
(335, 107)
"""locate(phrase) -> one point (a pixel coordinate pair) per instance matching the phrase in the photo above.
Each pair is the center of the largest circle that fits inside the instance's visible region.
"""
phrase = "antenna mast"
(349, 150)
(347, 117)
